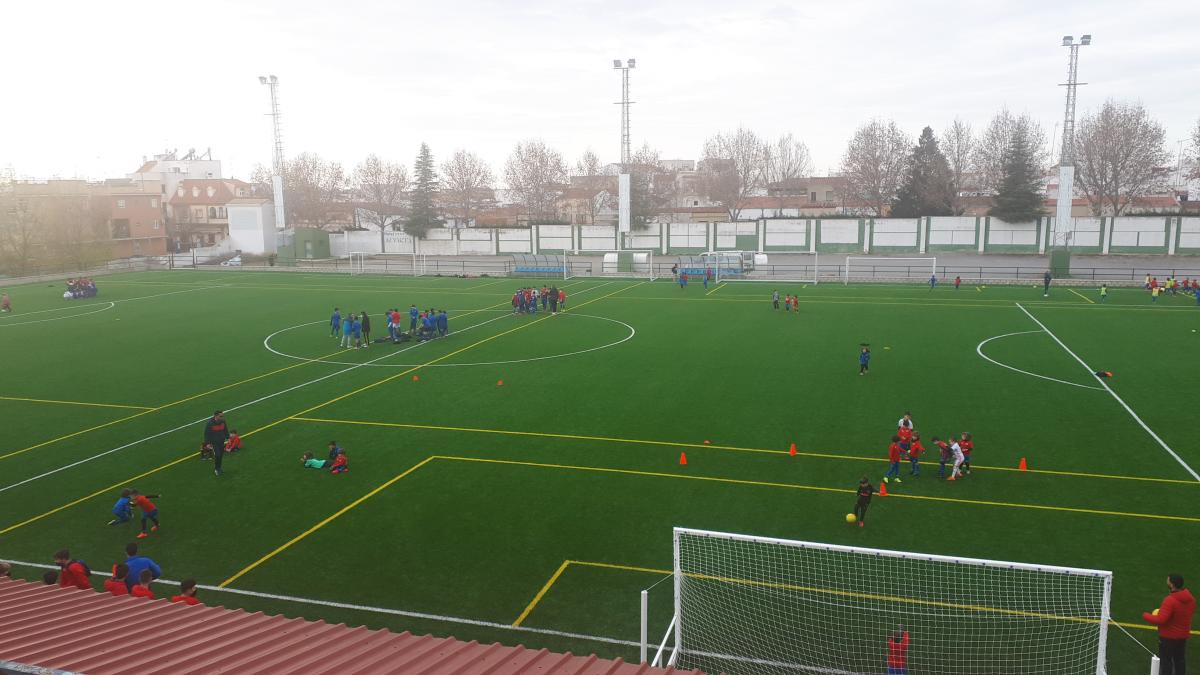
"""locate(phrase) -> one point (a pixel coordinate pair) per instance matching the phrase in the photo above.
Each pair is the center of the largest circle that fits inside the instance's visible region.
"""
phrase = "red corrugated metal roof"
(85, 631)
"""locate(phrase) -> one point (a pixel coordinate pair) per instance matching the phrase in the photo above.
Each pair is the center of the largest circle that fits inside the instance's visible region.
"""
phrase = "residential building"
(199, 210)
(136, 216)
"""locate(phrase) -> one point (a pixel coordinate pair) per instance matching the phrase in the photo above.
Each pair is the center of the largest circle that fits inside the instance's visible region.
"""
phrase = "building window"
(829, 195)
(154, 203)
(212, 212)
(157, 224)
(120, 203)
(812, 196)
(695, 202)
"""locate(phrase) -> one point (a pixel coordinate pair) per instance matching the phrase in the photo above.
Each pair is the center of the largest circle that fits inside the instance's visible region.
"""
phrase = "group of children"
(1171, 286)
(906, 445)
(526, 300)
(790, 302)
(354, 330)
(337, 462)
(80, 288)
(132, 577)
(123, 510)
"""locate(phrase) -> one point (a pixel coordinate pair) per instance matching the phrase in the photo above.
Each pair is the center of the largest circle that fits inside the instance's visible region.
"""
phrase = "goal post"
(628, 263)
(757, 266)
(751, 604)
(358, 264)
(867, 268)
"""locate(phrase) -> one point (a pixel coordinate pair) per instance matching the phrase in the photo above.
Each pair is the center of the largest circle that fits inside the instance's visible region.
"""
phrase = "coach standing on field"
(1174, 621)
(216, 432)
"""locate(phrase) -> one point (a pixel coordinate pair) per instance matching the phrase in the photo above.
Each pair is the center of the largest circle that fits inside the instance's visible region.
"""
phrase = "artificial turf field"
(465, 498)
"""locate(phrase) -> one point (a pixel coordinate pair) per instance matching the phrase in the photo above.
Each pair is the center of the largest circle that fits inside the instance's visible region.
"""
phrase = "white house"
(252, 225)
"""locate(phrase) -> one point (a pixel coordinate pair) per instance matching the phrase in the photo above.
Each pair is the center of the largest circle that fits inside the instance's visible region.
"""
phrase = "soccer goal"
(358, 262)
(863, 268)
(631, 264)
(803, 266)
(749, 604)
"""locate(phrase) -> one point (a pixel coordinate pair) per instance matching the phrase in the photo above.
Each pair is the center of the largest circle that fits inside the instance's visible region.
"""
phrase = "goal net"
(863, 268)
(630, 264)
(802, 266)
(748, 604)
(358, 264)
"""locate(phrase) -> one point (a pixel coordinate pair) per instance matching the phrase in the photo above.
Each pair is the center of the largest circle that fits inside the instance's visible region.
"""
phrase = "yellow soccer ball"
(851, 518)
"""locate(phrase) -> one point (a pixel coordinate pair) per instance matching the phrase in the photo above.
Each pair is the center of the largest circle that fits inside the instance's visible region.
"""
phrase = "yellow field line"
(734, 448)
(818, 488)
(95, 405)
(719, 287)
(931, 603)
(1086, 298)
(540, 594)
(190, 455)
(342, 511)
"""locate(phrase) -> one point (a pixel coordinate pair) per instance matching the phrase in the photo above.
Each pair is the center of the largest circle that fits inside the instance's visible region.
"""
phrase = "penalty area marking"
(629, 336)
(979, 350)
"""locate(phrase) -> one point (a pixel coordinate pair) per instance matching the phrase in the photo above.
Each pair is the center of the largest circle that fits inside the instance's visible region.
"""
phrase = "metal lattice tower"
(277, 160)
(1067, 154)
(626, 155)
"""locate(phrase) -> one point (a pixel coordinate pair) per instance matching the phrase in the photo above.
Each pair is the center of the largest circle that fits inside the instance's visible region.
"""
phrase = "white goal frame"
(888, 261)
(678, 628)
(637, 273)
(358, 262)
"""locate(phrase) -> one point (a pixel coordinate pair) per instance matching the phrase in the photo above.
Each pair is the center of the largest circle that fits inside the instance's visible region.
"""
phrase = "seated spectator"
(117, 584)
(142, 589)
(187, 593)
(72, 572)
(5, 570)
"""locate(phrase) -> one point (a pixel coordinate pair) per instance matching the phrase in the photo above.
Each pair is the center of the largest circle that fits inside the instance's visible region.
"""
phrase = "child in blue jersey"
(335, 324)
(356, 327)
(122, 510)
(932, 282)
(443, 323)
(347, 329)
(864, 361)
(412, 318)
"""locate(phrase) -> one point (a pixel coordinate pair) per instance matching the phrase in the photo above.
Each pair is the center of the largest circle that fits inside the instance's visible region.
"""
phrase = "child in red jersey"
(944, 455)
(897, 647)
(116, 585)
(187, 593)
(149, 510)
(967, 446)
(894, 452)
(234, 442)
(142, 589)
(340, 464)
(915, 450)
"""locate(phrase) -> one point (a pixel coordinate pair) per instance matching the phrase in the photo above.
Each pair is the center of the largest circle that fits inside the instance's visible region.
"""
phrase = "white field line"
(1107, 388)
(108, 304)
(380, 610)
(979, 350)
(237, 407)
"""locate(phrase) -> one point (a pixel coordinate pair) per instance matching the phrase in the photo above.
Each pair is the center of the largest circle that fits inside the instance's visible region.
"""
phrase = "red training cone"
(1022, 466)
(683, 459)
(416, 378)
(499, 383)
(883, 489)
(792, 450)
(707, 442)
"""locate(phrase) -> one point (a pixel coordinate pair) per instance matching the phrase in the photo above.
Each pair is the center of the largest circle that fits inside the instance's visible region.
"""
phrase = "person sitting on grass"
(234, 443)
(187, 593)
(340, 464)
(142, 589)
(117, 585)
(309, 461)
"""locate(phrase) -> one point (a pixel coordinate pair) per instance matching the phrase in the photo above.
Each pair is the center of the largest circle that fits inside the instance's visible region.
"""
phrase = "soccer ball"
(851, 518)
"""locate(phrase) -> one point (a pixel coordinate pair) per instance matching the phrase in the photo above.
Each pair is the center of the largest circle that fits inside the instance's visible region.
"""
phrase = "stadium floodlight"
(1068, 40)
(262, 80)
(1085, 40)
(632, 63)
(1066, 160)
(760, 605)
(616, 63)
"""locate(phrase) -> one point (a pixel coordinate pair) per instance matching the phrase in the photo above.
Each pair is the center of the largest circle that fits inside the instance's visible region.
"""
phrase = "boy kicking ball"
(149, 511)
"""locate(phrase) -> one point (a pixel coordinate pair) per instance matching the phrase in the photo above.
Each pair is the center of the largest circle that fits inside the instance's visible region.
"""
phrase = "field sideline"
(518, 480)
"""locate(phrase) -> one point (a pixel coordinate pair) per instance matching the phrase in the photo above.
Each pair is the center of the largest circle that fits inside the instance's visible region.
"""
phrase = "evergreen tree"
(927, 189)
(422, 214)
(1019, 196)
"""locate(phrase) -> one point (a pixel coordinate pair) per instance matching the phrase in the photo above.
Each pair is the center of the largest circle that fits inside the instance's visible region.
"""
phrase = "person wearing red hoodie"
(897, 658)
(1174, 621)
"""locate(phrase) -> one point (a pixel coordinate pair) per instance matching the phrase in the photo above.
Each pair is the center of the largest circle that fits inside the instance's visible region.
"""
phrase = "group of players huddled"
(906, 445)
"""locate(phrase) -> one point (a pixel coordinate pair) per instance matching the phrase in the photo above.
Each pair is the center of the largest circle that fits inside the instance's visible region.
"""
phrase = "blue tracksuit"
(122, 510)
(443, 323)
(356, 327)
(412, 319)
(335, 324)
(138, 563)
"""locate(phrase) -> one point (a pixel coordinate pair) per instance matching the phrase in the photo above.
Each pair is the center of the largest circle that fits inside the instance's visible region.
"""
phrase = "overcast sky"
(90, 88)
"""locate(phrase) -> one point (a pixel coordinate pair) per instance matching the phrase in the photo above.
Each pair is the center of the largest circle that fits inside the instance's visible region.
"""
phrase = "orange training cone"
(1022, 466)
(707, 442)
(883, 489)
(499, 383)
(416, 378)
(683, 459)
(792, 450)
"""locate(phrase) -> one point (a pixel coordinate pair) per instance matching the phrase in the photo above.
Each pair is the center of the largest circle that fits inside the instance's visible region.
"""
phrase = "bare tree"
(958, 144)
(313, 188)
(536, 173)
(466, 179)
(381, 185)
(733, 168)
(874, 163)
(993, 146)
(19, 233)
(589, 164)
(651, 186)
(1196, 149)
(787, 159)
(1118, 151)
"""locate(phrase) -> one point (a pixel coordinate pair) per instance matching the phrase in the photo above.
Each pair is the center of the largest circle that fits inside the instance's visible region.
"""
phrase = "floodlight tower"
(277, 160)
(1066, 160)
(625, 67)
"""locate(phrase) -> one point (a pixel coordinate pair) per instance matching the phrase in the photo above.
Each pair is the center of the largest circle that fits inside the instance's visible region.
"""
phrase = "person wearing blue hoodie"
(443, 323)
(136, 564)
(335, 324)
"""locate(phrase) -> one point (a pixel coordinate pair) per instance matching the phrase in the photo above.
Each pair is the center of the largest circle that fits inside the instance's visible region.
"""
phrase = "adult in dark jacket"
(216, 432)
(366, 329)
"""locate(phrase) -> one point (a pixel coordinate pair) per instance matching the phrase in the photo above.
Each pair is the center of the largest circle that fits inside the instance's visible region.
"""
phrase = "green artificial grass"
(604, 397)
